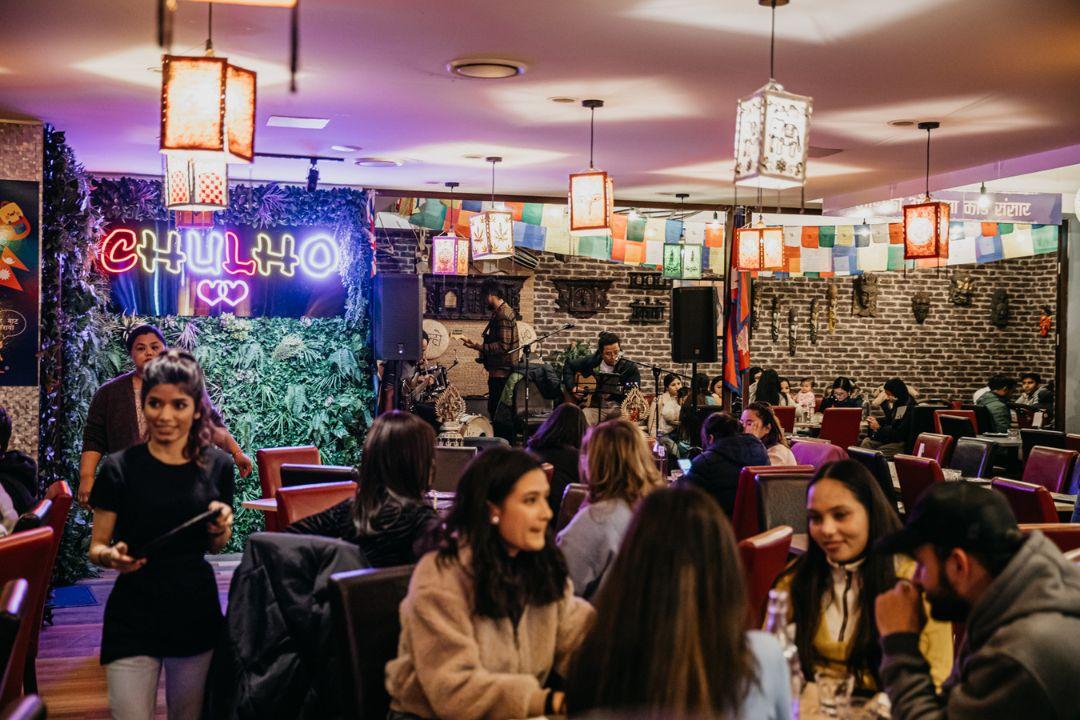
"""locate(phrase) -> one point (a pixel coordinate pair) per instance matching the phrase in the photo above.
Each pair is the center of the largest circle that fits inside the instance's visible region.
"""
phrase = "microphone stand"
(526, 349)
(656, 371)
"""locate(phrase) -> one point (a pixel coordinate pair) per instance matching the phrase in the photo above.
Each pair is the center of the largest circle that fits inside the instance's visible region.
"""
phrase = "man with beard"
(500, 337)
(1017, 598)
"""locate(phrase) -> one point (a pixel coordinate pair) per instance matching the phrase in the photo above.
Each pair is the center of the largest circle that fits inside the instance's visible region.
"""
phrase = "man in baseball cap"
(1016, 597)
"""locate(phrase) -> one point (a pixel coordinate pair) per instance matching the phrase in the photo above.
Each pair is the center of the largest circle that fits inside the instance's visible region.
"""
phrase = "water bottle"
(776, 624)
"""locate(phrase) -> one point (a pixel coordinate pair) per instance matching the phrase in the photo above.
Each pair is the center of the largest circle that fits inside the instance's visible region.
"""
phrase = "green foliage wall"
(276, 381)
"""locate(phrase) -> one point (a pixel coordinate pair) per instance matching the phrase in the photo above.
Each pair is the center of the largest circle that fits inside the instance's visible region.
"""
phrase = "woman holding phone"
(163, 610)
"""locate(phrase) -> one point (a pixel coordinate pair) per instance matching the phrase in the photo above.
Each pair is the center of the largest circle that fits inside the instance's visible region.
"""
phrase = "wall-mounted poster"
(279, 271)
(20, 238)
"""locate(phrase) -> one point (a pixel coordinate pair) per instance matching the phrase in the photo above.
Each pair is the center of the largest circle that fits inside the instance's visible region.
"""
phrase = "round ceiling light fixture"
(378, 162)
(485, 68)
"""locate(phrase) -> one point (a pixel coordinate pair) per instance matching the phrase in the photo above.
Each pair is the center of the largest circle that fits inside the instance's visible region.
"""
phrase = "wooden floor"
(71, 681)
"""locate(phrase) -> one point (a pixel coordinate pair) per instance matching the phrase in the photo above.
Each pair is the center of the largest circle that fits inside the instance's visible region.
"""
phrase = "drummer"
(420, 380)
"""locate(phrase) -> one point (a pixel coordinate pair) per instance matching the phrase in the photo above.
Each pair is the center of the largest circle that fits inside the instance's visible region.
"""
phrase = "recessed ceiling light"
(346, 148)
(473, 156)
(306, 123)
(485, 68)
(562, 100)
(901, 123)
(378, 162)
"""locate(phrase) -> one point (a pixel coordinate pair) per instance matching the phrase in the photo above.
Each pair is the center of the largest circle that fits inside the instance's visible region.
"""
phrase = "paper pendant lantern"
(682, 262)
(772, 133)
(198, 184)
(759, 248)
(449, 255)
(207, 106)
(492, 235)
(592, 202)
(926, 230)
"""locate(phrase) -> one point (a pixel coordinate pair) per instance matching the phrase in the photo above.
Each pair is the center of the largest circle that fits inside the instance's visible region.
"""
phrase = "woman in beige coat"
(491, 614)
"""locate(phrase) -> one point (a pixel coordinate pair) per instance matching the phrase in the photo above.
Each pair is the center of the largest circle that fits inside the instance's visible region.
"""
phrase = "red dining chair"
(1065, 535)
(1049, 467)
(60, 498)
(14, 613)
(1072, 442)
(785, 415)
(269, 462)
(840, 426)
(763, 557)
(1030, 503)
(935, 446)
(915, 475)
(28, 707)
(969, 414)
(572, 499)
(746, 520)
(25, 555)
(816, 453)
(301, 501)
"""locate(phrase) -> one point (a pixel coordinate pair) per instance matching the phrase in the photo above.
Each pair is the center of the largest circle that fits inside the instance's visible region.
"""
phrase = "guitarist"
(500, 336)
(606, 359)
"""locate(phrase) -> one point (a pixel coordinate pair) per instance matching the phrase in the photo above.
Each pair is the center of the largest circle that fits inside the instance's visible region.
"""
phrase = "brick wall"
(950, 355)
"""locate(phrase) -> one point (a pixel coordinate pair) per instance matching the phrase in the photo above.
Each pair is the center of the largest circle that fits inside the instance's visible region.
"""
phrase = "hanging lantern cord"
(772, 44)
(452, 185)
(493, 182)
(210, 28)
(928, 126)
(592, 134)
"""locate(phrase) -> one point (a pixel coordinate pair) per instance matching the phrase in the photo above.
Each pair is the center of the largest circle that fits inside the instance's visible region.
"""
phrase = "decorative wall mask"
(830, 307)
(999, 309)
(1046, 321)
(774, 319)
(646, 312)
(920, 306)
(792, 332)
(961, 289)
(864, 296)
(813, 325)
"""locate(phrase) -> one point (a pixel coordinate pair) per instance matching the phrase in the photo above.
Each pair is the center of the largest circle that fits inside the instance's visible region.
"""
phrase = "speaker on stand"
(693, 329)
(395, 331)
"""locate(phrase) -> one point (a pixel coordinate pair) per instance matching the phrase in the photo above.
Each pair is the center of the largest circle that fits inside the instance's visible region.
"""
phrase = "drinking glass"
(1014, 433)
(951, 475)
(834, 691)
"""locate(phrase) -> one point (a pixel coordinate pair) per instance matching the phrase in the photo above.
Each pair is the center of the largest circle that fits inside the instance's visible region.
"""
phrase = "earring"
(494, 519)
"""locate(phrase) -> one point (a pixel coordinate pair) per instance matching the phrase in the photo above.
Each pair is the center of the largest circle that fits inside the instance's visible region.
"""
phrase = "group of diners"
(638, 606)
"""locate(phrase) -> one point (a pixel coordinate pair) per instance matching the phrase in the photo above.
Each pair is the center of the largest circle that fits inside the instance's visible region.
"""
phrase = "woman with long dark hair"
(728, 449)
(890, 434)
(834, 584)
(841, 395)
(388, 518)
(670, 635)
(690, 417)
(759, 420)
(619, 468)
(491, 615)
(163, 610)
(768, 388)
(558, 441)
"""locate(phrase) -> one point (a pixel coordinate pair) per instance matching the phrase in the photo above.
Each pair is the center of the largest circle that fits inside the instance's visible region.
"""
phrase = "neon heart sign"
(215, 292)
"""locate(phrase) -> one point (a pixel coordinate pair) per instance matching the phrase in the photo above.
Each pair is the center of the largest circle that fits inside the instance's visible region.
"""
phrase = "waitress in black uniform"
(164, 610)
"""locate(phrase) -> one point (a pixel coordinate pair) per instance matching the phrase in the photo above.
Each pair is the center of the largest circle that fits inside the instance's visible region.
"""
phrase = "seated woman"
(841, 395)
(716, 391)
(620, 471)
(834, 585)
(558, 441)
(759, 420)
(768, 389)
(787, 397)
(388, 519)
(890, 435)
(690, 415)
(490, 615)
(727, 451)
(682, 611)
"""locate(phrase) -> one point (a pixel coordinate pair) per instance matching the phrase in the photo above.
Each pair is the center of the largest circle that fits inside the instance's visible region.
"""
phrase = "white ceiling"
(1001, 75)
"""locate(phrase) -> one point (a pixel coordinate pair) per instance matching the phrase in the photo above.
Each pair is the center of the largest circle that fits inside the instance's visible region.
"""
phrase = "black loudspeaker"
(693, 324)
(396, 321)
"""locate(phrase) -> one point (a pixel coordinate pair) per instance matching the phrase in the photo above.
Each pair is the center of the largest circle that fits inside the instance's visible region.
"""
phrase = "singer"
(601, 380)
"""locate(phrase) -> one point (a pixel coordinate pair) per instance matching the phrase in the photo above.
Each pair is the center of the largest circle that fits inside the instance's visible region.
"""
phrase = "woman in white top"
(668, 405)
(759, 420)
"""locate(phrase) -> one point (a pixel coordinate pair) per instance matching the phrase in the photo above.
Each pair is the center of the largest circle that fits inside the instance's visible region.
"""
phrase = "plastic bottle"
(776, 624)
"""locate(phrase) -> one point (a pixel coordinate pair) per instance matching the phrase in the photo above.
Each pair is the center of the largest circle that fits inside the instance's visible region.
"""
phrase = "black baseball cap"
(956, 514)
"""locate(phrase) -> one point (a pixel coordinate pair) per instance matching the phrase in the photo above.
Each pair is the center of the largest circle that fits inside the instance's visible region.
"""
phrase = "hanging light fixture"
(450, 251)
(492, 230)
(682, 261)
(984, 199)
(759, 247)
(592, 193)
(772, 130)
(926, 224)
(207, 121)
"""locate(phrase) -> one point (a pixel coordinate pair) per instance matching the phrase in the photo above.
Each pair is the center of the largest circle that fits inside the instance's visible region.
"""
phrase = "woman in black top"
(164, 607)
(558, 441)
(388, 519)
(841, 396)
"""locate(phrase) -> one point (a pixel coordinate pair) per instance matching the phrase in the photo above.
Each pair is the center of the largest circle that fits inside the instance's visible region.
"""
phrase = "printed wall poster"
(20, 238)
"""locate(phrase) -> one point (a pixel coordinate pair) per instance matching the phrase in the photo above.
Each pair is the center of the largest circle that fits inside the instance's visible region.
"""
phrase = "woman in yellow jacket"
(834, 584)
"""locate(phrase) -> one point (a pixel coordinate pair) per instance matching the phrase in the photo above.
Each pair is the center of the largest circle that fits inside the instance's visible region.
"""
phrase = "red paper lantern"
(759, 248)
(926, 230)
